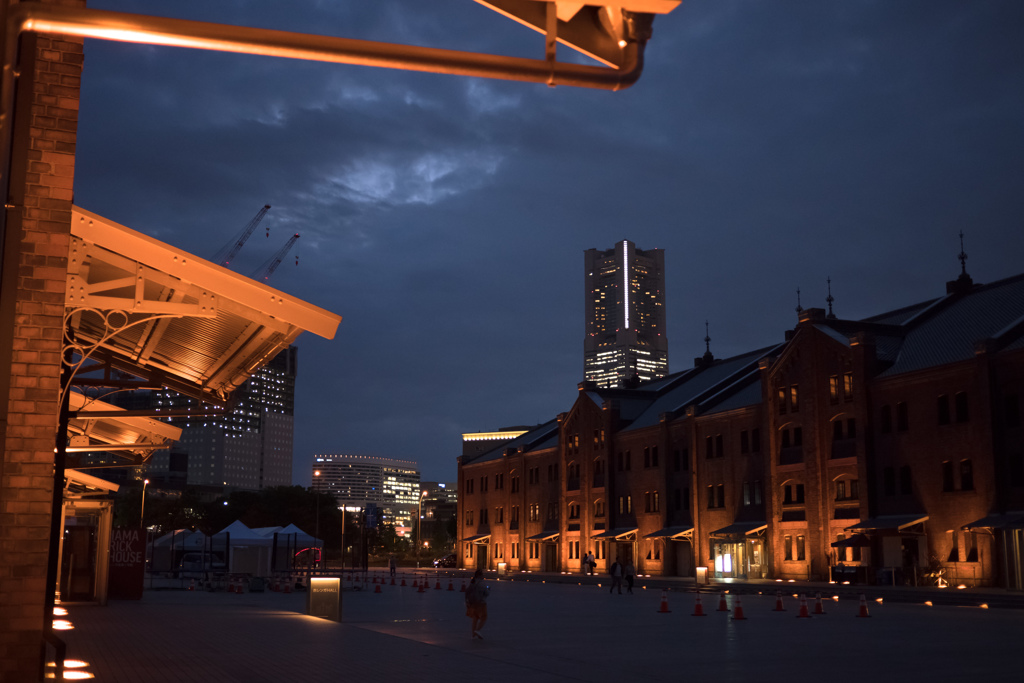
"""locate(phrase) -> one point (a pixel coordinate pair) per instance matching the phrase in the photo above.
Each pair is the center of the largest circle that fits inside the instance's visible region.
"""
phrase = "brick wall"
(39, 223)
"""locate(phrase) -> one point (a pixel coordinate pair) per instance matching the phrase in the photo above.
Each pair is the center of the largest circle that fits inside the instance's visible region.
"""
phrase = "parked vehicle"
(446, 561)
(198, 562)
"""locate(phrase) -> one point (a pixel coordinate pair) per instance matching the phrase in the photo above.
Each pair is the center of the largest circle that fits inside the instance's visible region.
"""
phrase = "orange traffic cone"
(438, 586)
(778, 602)
(192, 585)
(451, 586)
(818, 609)
(423, 587)
(698, 609)
(664, 603)
(722, 605)
(804, 614)
(403, 580)
(375, 578)
(863, 607)
(377, 589)
(738, 611)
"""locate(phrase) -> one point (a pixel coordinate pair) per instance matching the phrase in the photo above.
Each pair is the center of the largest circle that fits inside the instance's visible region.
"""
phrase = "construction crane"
(264, 272)
(226, 255)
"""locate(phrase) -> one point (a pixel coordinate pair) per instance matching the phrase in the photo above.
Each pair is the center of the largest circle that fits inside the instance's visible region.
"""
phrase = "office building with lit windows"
(881, 450)
(247, 447)
(626, 340)
(356, 481)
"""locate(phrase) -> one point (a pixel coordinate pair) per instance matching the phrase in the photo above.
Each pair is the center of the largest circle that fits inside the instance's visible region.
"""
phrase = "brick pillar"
(35, 248)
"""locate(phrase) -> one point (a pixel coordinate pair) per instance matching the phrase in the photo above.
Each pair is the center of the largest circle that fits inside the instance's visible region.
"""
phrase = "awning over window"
(543, 536)
(741, 529)
(161, 314)
(479, 538)
(78, 485)
(673, 533)
(888, 523)
(616, 534)
(1011, 520)
(115, 432)
(855, 541)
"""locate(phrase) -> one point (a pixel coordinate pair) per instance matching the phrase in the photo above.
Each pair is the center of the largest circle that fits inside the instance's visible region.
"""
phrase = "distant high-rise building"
(359, 480)
(248, 447)
(626, 337)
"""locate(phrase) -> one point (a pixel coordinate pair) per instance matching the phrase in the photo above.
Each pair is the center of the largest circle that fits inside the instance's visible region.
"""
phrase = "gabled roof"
(540, 437)
(949, 333)
(178, 321)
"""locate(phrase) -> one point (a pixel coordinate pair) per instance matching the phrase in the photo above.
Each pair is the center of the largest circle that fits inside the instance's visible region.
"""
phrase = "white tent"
(248, 551)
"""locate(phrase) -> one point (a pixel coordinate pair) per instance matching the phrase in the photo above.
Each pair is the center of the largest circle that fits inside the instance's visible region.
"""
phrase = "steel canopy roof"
(130, 432)
(169, 317)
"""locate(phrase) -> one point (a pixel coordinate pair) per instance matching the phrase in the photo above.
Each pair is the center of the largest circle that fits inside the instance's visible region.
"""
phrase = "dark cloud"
(768, 146)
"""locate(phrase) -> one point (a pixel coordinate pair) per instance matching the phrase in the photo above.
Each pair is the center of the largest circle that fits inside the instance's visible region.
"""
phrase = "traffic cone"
(437, 587)
(423, 587)
(403, 580)
(415, 583)
(451, 586)
(738, 611)
(818, 609)
(698, 609)
(863, 607)
(392, 581)
(192, 585)
(375, 578)
(377, 589)
(804, 614)
(664, 603)
(778, 602)
(722, 605)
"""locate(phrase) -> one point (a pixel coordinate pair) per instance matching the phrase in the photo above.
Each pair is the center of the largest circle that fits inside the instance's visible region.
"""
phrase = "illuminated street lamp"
(419, 524)
(316, 487)
(142, 508)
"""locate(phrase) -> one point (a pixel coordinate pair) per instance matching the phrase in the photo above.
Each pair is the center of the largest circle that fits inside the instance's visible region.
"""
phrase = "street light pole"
(316, 488)
(142, 508)
(419, 525)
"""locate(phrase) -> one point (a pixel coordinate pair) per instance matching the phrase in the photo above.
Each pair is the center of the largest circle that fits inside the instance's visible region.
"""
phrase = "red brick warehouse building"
(887, 449)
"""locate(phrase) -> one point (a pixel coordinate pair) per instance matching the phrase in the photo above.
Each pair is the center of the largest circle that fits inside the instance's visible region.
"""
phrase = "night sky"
(769, 145)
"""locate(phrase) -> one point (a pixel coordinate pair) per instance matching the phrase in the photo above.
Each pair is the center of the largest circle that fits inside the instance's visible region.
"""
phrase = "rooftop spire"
(708, 357)
(964, 283)
(799, 308)
(963, 256)
(829, 298)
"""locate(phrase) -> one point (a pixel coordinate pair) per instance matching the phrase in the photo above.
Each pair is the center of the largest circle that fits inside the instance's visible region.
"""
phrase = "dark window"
(787, 494)
(966, 475)
(947, 476)
(711, 496)
(837, 430)
(757, 492)
(647, 501)
(1011, 408)
(906, 484)
(851, 428)
(798, 436)
(799, 494)
(744, 441)
(686, 458)
(942, 408)
(721, 495)
(746, 493)
(655, 502)
(785, 438)
(854, 489)
(677, 461)
(885, 420)
(755, 440)
(889, 481)
(960, 407)
(654, 456)
(787, 544)
(902, 418)
(709, 446)
(782, 401)
(840, 490)
(647, 456)
(719, 449)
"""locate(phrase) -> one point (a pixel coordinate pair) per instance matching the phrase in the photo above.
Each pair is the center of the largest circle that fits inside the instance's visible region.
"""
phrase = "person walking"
(476, 603)
(630, 576)
(616, 574)
(591, 564)
(392, 565)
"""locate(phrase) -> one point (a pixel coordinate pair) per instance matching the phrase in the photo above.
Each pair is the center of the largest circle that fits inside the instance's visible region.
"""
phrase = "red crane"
(264, 272)
(226, 255)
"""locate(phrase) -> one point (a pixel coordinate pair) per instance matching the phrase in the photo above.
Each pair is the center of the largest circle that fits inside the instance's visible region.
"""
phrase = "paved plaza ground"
(537, 632)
